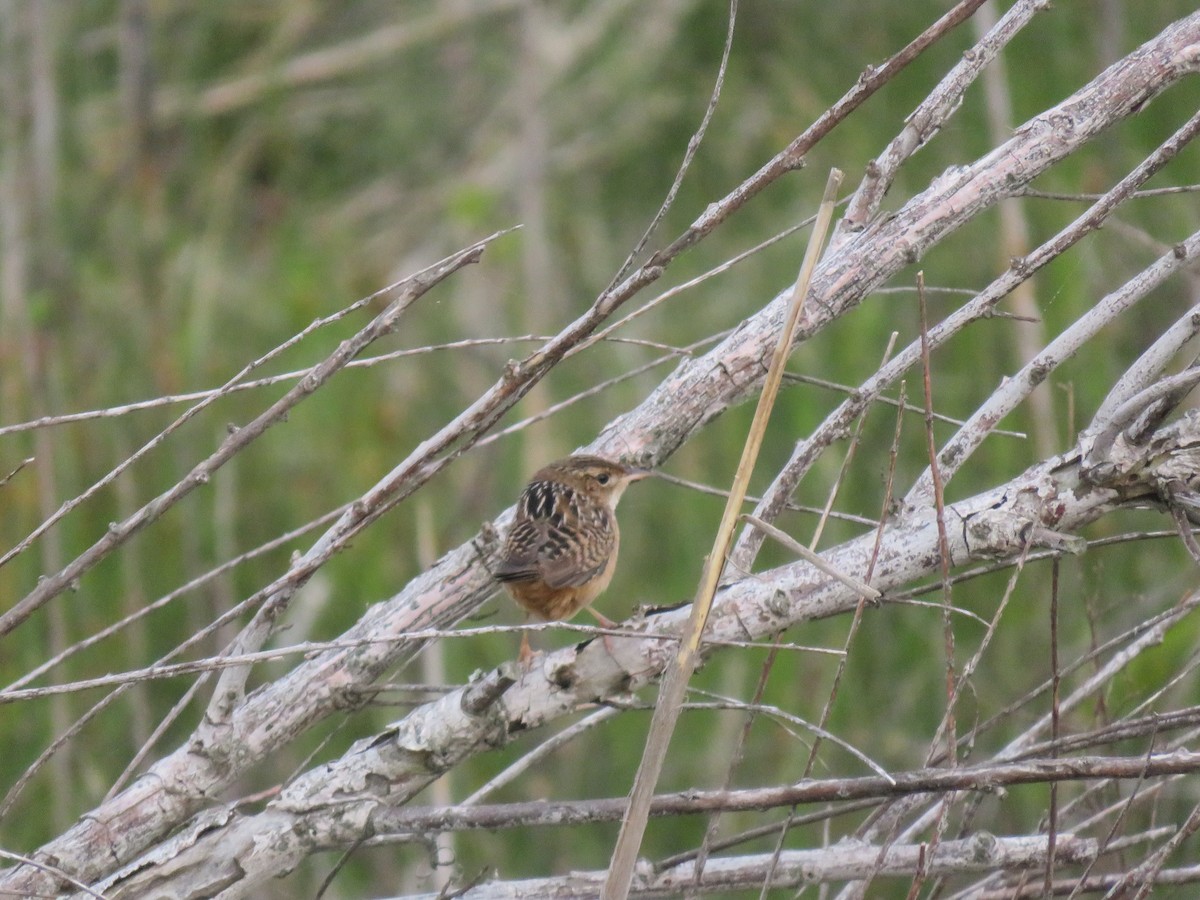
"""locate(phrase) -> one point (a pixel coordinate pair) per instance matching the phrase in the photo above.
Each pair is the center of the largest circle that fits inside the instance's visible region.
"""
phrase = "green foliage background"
(172, 243)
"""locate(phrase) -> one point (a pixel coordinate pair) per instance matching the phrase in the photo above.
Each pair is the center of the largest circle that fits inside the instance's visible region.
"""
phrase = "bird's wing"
(572, 568)
(577, 545)
(551, 542)
(520, 559)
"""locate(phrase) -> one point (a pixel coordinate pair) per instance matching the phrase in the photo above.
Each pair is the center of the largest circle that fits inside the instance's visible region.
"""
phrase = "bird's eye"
(603, 477)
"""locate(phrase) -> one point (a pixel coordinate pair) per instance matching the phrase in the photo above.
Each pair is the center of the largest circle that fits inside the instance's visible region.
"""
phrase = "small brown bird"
(562, 549)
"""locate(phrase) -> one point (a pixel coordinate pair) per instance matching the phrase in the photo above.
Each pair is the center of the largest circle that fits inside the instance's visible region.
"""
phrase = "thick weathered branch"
(796, 868)
(985, 777)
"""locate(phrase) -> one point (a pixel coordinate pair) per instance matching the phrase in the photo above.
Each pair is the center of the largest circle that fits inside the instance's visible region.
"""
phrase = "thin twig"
(693, 146)
(181, 591)
(1055, 677)
(943, 541)
(1145, 875)
(714, 491)
(592, 391)
(1087, 198)
(22, 464)
(666, 712)
(113, 412)
(540, 752)
(958, 449)
(57, 873)
(984, 777)
(859, 587)
(407, 292)
(738, 753)
(1118, 822)
(827, 710)
(801, 378)
(951, 729)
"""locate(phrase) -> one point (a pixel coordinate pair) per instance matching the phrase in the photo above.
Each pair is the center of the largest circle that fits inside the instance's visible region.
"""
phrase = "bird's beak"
(636, 474)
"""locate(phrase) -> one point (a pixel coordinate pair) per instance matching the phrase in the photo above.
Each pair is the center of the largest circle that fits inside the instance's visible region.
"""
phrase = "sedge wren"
(562, 549)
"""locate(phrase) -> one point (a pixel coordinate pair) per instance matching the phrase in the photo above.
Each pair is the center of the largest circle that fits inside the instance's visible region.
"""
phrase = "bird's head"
(593, 476)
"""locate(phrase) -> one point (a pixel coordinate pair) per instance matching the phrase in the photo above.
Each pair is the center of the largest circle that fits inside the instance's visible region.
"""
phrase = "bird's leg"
(604, 622)
(525, 654)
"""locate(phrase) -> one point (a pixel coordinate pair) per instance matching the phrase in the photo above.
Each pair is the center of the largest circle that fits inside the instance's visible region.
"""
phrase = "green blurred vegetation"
(180, 239)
